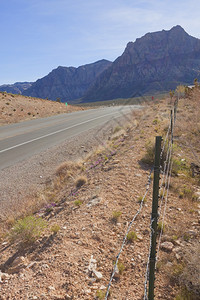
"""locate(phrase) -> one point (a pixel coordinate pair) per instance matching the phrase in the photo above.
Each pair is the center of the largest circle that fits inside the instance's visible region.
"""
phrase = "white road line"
(55, 132)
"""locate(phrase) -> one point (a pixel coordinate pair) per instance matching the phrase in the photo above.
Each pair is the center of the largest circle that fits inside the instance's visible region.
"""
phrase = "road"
(22, 140)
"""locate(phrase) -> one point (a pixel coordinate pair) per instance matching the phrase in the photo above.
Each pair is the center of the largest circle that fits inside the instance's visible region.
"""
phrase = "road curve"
(22, 140)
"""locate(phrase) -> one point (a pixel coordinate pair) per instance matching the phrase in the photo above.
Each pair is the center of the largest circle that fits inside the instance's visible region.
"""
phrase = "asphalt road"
(22, 140)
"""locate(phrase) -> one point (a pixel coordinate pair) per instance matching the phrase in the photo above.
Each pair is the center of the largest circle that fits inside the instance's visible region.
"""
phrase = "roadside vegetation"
(74, 190)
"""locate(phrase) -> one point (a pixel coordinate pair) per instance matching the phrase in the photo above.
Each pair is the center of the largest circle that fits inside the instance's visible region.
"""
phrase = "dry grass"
(68, 168)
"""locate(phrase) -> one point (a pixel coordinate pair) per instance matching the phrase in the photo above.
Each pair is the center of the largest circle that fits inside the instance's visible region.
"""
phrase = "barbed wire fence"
(163, 190)
(166, 171)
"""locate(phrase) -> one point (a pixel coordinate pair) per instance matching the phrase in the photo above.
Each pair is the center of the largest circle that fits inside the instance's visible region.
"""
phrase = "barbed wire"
(165, 141)
(164, 212)
(127, 231)
(164, 179)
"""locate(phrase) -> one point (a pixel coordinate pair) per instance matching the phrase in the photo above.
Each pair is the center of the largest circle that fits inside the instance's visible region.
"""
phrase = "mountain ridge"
(155, 62)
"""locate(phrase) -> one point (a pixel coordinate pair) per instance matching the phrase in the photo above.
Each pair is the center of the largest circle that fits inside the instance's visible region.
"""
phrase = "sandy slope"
(17, 108)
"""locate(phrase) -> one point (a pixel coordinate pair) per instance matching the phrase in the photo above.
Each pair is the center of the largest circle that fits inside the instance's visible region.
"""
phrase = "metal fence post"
(154, 217)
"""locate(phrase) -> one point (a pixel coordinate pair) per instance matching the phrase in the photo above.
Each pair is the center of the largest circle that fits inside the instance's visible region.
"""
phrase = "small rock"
(167, 246)
(94, 201)
(178, 257)
(139, 237)
(103, 287)
(92, 264)
(3, 276)
(4, 243)
(138, 175)
(51, 288)
(97, 274)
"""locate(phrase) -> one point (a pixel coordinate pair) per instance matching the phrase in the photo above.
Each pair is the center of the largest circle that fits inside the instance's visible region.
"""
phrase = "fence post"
(154, 217)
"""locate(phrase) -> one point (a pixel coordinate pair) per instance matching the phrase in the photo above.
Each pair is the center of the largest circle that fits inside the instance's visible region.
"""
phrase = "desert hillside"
(17, 108)
(64, 242)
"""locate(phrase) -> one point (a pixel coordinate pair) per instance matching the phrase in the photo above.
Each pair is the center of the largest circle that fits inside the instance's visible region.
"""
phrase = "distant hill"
(158, 61)
(16, 88)
(67, 83)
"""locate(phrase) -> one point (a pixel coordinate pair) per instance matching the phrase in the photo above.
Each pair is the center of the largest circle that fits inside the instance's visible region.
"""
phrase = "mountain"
(16, 88)
(157, 61)
(67, 83)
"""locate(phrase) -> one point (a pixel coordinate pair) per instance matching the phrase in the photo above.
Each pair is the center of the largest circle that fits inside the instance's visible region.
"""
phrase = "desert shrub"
(140, 199)
(100, 294)
(55, 228)
(80, 181)
(121, 267)
(115, 216)
(187, 273)
(161, 226)
(67, 168)
(132, 236)
(179, 165)
(78, 202)
(27, 230)
(148, 158)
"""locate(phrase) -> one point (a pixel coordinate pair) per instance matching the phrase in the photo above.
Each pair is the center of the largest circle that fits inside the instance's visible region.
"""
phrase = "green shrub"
(160, 227)
(78, 202)
(120, 267)
(101, 294)
(131, 236)
(140, 199)
(148, 158)
(115, 216)
(28, 229)
(55, 228)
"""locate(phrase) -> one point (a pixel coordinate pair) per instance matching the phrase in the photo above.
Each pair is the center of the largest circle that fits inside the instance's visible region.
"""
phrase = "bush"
(115, 216)
(101, 294)
(148, 158)
(80, 181)
(131, 236)
(140, 199)
(55, 228)
(161, 226)
(78, 202)
(28, 229)
(120, 267)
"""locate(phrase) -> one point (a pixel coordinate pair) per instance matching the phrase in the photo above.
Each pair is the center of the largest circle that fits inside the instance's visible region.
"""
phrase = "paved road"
(22, 140)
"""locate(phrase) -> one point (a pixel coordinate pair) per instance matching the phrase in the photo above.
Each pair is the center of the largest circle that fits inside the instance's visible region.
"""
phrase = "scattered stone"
(4, 243)
(103, 287)
(178, 257)
(92, 264)
(139, 237)
(94, 201)
(98, 275)
(167, 246)
(51, 288)
(3, 276)
(138, 174)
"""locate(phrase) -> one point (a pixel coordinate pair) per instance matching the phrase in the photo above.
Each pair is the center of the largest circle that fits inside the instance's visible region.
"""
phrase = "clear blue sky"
(40, 35)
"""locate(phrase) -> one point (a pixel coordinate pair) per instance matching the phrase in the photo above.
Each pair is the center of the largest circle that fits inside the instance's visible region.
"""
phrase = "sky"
(37, 36)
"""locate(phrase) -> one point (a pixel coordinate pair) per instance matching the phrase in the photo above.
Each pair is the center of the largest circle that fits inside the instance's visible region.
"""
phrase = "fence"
(159, 192)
